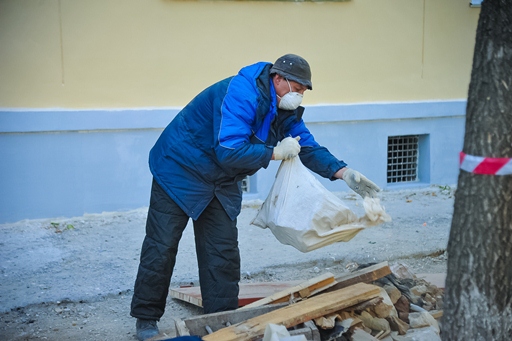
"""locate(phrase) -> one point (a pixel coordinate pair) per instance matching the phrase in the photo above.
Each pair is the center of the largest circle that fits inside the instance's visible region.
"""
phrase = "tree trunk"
(478, 297)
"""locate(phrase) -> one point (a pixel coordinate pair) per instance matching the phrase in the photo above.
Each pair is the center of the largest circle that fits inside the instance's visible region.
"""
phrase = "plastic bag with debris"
(302, 213)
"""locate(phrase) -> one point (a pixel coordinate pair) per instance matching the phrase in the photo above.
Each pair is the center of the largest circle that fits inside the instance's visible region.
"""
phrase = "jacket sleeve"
(233, 145)
(321, 161)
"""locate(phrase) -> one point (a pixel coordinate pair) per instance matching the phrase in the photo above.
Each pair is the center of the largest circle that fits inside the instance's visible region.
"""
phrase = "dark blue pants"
(218, 256)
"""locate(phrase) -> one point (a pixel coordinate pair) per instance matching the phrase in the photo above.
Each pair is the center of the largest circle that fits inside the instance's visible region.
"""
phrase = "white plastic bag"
(302, 213)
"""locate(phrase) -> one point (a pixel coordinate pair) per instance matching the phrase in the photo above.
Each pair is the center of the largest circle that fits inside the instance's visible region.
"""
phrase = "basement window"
(246, 185)
(403, 154)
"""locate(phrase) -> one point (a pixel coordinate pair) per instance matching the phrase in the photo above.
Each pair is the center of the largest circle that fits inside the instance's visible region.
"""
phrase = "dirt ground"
(72, 278)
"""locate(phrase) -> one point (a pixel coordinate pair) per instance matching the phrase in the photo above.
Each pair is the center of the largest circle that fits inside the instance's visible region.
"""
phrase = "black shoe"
(146, 329)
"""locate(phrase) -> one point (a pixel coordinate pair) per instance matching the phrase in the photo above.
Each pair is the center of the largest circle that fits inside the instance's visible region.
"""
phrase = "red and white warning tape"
(485, 165)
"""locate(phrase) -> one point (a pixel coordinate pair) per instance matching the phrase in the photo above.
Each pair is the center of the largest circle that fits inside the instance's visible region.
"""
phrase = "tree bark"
(478, 296)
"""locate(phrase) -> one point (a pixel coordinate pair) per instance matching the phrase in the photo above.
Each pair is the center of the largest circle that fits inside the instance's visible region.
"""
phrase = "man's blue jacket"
(225, 133)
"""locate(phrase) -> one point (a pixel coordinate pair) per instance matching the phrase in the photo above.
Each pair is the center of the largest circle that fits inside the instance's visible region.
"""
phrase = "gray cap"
(294, 68)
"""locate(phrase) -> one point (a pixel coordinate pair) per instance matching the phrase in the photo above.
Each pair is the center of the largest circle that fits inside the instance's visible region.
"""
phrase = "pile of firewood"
(371, 303)
(408, 308)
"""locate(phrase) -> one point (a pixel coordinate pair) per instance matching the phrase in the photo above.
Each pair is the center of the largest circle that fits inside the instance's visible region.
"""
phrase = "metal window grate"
(246, 185)
(402, 158)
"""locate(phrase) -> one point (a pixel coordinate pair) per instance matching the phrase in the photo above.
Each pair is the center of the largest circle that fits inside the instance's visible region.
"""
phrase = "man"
(228, 131)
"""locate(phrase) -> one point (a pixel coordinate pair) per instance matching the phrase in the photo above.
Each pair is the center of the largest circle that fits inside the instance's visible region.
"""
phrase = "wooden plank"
(297, 313)
(188, 294)
(298, 292)
(195, 325)
(181, 327)
(365, 275)
(249, 292)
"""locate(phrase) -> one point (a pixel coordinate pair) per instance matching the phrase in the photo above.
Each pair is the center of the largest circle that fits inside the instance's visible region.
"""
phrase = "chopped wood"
(365, 305)
(374, 323)
(383, 310)
(195, 325)
(297, 313)
(393, 292)
(398, 325)
(386, 307)
(403, 316)
(419, 290)
(328, 321)
(365, 275)
(298, 292)
(352, 317)
(403, 305)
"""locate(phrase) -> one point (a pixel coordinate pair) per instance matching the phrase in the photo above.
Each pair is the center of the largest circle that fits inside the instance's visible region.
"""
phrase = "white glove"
(287, 149)
(360, 183)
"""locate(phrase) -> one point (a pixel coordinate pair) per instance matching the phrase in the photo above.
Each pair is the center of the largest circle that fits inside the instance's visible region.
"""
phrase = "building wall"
(87, 86)
(132, 54)
(67, 163)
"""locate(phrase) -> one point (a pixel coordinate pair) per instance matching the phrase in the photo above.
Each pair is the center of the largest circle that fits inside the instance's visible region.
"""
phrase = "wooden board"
(365, 275)
(297, 313)
(296, 293)
(195, 325)
(249, 292)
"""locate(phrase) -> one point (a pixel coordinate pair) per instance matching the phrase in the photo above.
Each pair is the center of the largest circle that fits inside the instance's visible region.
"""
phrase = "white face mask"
(291, 100)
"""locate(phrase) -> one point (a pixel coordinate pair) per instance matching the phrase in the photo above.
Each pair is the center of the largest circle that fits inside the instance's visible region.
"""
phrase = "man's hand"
(360, 183)
(287, 149)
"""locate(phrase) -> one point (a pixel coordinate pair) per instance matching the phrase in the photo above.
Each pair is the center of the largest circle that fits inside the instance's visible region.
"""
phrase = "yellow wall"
(156, 53)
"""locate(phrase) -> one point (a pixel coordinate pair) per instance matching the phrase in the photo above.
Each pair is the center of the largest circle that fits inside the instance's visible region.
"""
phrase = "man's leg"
(218, 256)
(164, 227)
